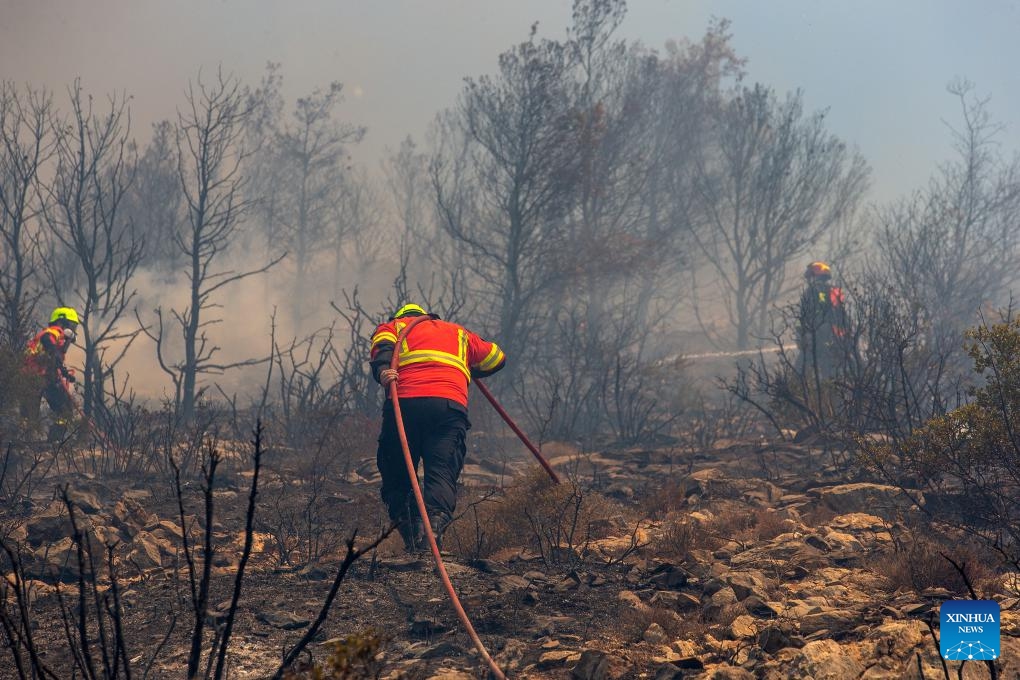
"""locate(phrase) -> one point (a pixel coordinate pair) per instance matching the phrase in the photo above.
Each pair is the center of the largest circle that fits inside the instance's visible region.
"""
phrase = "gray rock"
(835, 621)
(592, 665)
(878, 499)
(668, 576)
(743, 626)
(282, 619)
(817, 542)
(826, 660)
(84, 501)
(442, 651)
(620, 490)
(655, 634)
(772, 638)
(757, 607)
(313, 571)
(555, 657)
(56, 561)
(727, 673)
(47, 526)
(404, 563)
(747, 583)
(489, 567)
(668, 671)
(423, 628)
(512, 582)
(671, 599)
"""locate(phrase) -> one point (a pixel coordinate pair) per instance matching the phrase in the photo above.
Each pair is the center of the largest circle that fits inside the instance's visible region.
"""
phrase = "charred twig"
(935, 639)
(245, 553)
(350, 557)
(961, 569)
(22, 629)
(159, 648)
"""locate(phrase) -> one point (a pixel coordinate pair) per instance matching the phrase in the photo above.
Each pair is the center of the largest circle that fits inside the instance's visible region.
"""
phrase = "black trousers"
(436, 433)
(53, 392)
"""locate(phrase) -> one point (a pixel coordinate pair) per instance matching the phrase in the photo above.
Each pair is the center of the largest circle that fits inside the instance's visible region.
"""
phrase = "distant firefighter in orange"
(822, 331)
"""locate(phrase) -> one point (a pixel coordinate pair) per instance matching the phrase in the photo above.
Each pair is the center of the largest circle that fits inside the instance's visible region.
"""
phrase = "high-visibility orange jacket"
(46, 351)
(437, 358)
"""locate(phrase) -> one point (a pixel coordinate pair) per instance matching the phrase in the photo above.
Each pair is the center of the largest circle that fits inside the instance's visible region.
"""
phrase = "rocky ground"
(740, 562)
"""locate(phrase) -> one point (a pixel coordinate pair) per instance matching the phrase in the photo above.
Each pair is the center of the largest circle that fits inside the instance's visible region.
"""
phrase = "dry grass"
(921, 564)
(555, 521)
(818, 515)
(666, 500)
(681, 533)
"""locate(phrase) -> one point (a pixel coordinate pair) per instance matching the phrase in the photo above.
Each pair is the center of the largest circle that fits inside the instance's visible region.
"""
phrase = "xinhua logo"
(969, 630)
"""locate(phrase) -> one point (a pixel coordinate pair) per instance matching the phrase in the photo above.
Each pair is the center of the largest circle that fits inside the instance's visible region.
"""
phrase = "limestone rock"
(744, 626)
(282, 619)
(592, 665)
(826, 660)
(655, 634)
(747, 583)
(726, 673)
(881, 499)
(557, 657)
(834, 621)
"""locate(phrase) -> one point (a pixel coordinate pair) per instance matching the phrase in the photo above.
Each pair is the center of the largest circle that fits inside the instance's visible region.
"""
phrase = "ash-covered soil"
(749, 560)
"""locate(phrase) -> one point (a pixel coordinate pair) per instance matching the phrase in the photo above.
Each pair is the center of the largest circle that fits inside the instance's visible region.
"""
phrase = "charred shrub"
(21, 393)
(922, 560)
(558, 522)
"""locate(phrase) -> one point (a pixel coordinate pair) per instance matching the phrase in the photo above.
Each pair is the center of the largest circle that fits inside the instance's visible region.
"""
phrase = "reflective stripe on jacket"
(437, 358)
(38, 359)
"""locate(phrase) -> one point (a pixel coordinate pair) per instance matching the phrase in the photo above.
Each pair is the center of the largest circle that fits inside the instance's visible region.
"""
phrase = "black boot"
(439, 521)
(414, 536)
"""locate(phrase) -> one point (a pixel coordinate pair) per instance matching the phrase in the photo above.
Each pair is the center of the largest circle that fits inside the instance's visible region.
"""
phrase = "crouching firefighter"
(436, 362)
(44, 359)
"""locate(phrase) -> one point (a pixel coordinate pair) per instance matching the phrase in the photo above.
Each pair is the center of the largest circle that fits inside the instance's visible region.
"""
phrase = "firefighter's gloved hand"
(387, 376)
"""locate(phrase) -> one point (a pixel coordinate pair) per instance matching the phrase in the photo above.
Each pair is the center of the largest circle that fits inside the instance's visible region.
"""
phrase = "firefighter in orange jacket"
(437, 361)
(44, 359)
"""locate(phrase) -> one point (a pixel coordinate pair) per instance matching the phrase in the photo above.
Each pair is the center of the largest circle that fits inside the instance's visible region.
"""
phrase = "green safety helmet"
(66, 313)
(408, 310)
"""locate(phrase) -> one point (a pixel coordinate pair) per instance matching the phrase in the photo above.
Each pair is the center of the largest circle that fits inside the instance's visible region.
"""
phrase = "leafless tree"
(312, 151)
(357, 238)
(951, 246)
(262, 126)
(209, 162)
(770, 186)
(683, 87)
(155, 200)
(84, 214)
(26, 144)
(502, 179)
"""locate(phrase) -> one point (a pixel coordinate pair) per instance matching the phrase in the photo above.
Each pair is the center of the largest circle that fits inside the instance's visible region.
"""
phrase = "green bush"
(967, 462)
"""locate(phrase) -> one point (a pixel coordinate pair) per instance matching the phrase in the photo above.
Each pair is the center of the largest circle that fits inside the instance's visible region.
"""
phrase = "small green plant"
(355, 657)
(966, 463)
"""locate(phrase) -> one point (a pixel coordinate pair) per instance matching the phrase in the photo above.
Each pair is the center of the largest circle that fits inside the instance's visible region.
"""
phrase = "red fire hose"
(513, 426)
(420, 500)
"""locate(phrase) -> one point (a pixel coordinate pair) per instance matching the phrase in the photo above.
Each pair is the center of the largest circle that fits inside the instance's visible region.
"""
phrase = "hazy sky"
(881, 66)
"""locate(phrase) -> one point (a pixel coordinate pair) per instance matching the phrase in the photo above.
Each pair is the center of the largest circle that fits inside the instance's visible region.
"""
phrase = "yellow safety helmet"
(409, 309)
(67, 313)
(818, 270)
